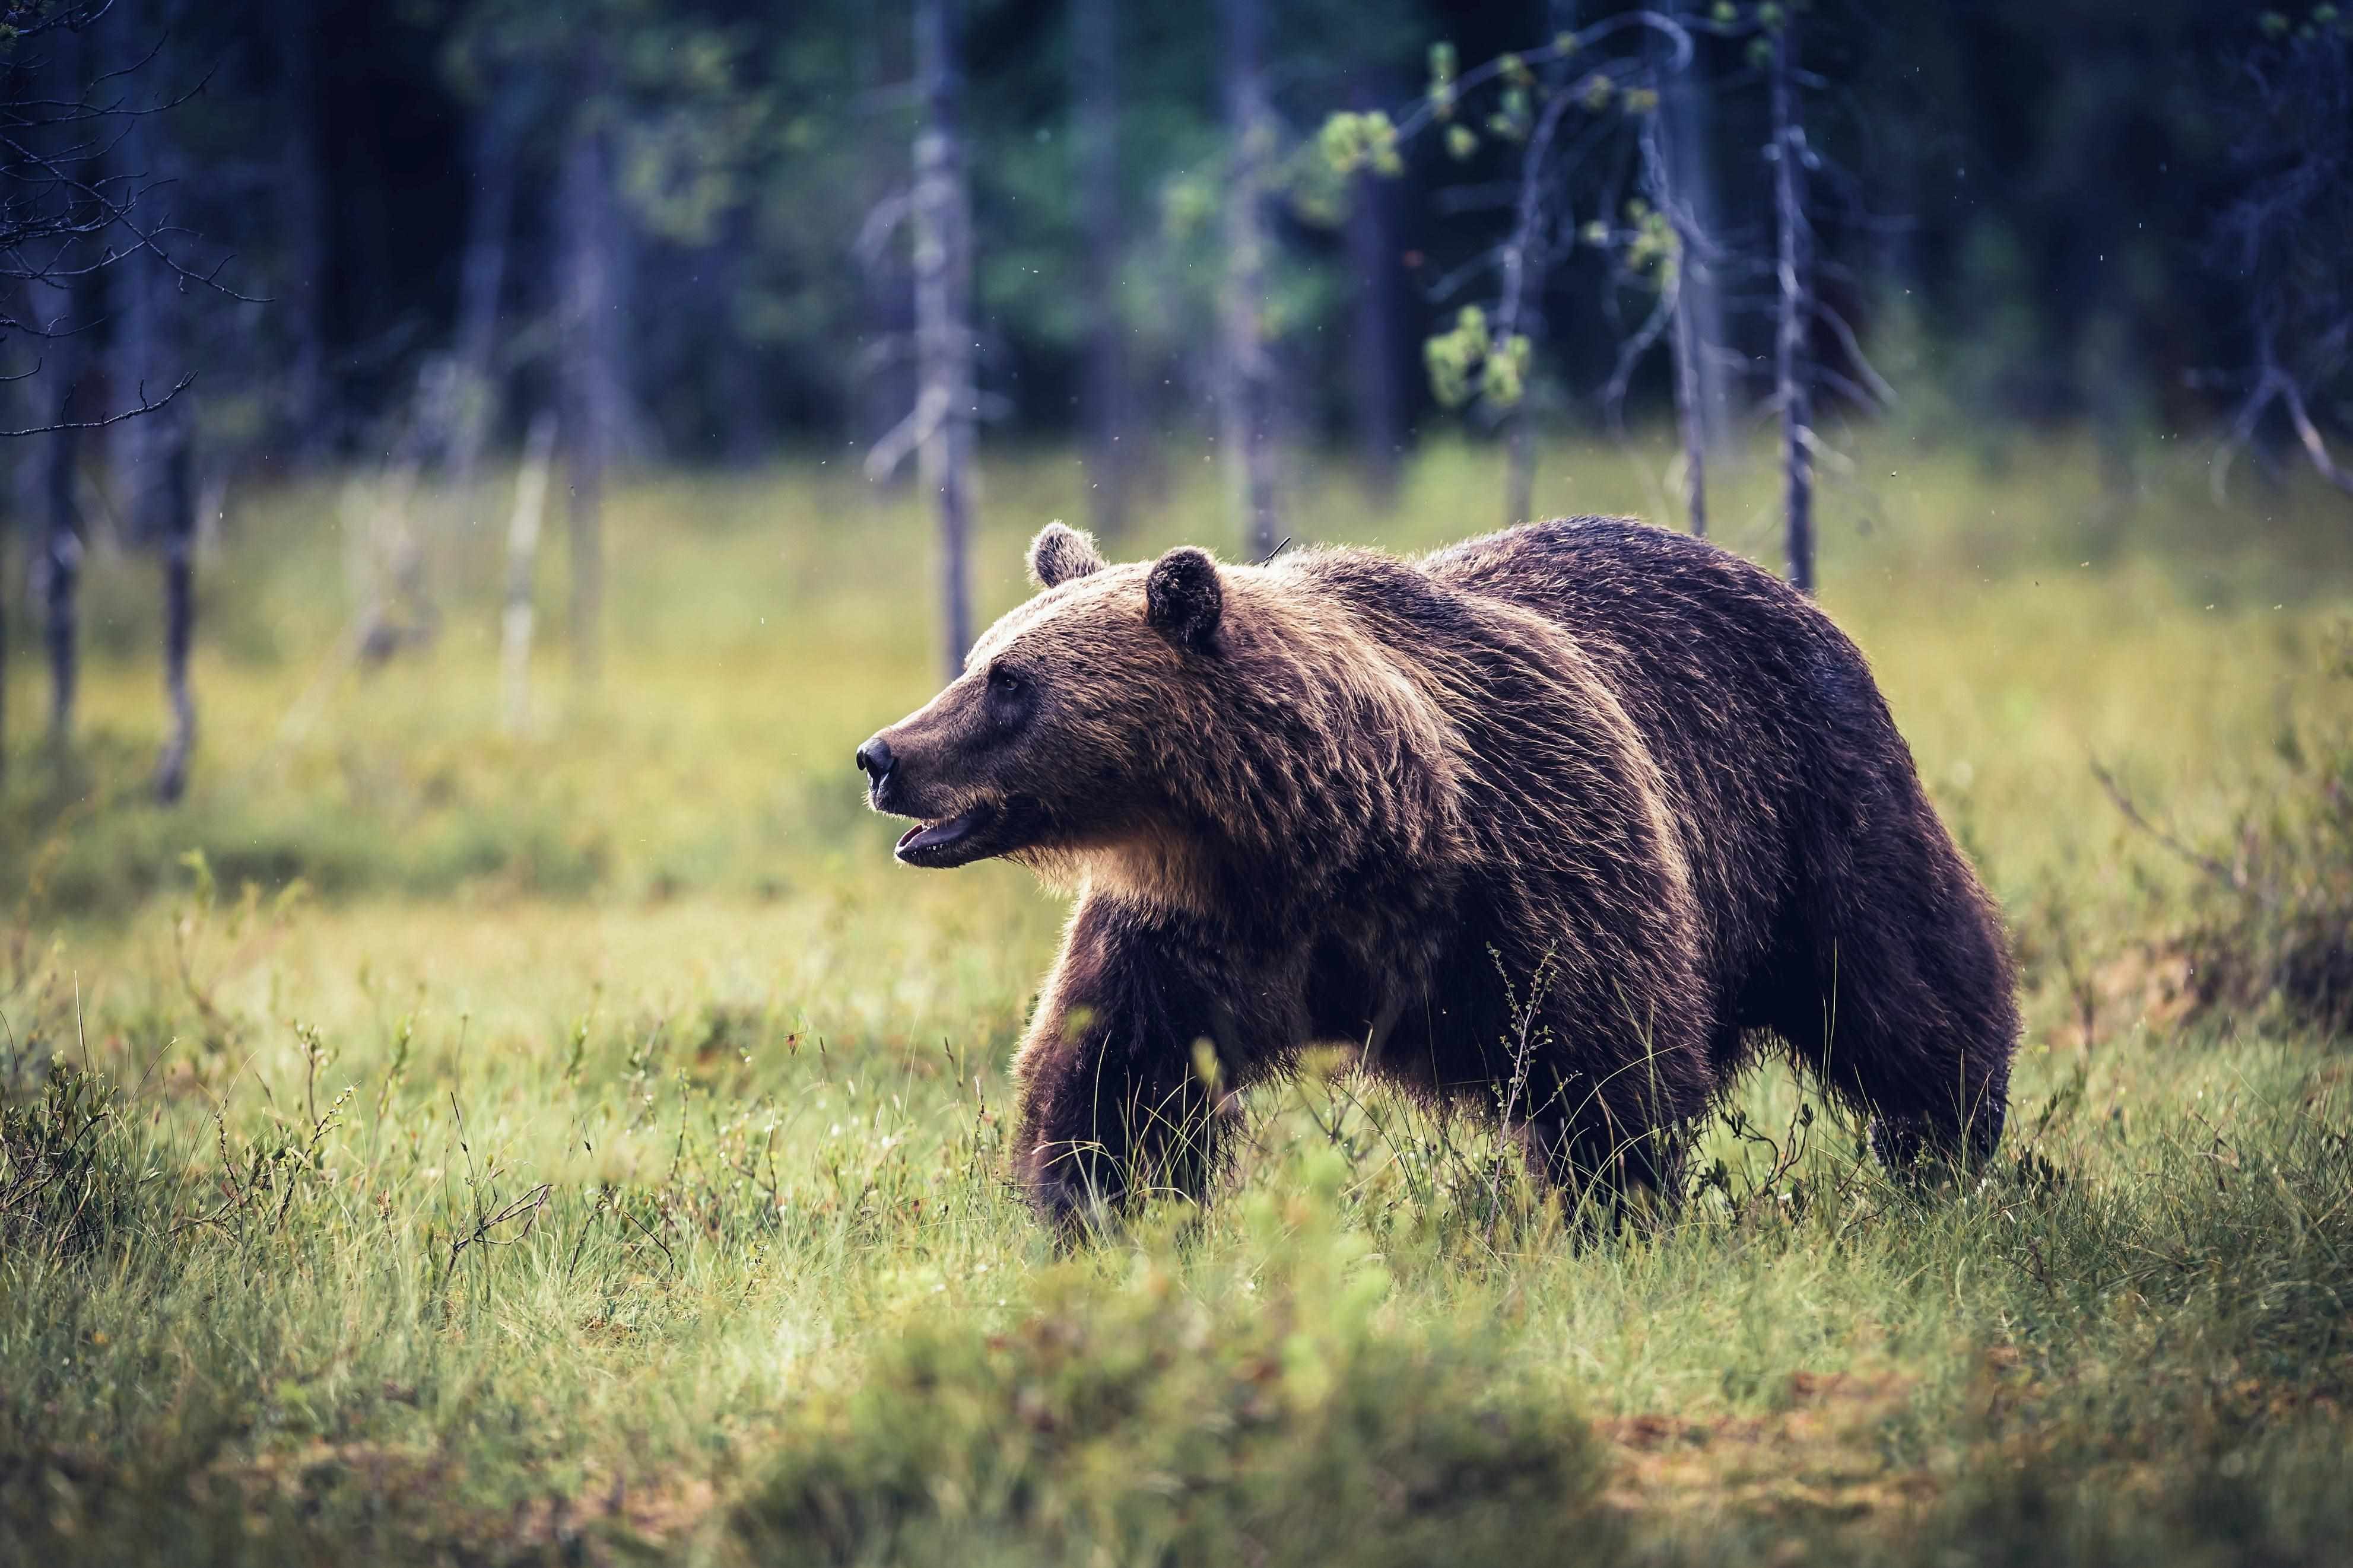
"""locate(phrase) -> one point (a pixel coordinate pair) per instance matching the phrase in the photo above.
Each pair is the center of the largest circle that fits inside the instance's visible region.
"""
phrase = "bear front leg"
(1115, 1103)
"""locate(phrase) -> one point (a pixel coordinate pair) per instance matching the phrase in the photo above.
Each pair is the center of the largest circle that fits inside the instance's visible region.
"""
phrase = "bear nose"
(875, 760)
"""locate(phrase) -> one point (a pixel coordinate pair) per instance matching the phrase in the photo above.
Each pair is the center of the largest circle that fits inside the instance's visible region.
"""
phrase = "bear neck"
(1321, 768)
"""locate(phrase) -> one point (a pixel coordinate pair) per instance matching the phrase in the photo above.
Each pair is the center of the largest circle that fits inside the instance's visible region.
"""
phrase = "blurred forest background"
(2038, 195)
(703, 234)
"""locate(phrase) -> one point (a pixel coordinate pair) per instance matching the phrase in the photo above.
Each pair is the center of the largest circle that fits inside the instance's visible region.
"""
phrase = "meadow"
(429, 1144)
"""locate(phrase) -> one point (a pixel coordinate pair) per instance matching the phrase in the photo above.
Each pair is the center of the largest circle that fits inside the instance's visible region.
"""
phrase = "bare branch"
(2309, 434)
(2124, 802)
(115, 419)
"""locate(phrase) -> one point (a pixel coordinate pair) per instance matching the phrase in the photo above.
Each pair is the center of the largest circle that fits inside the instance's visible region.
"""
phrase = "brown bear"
(1569, 822)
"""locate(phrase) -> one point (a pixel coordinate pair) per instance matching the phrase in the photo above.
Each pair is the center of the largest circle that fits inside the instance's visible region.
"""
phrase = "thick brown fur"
(1569, 823)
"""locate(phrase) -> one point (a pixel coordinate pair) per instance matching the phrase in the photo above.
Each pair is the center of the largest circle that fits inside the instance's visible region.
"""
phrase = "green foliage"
(2276, 923)
(68, 1182)
(1442, 71)
(1452, 356)
(1351, 141)
(1169, 1415)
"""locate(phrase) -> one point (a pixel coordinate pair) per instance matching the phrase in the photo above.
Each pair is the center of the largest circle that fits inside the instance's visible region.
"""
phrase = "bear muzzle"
(956, 841)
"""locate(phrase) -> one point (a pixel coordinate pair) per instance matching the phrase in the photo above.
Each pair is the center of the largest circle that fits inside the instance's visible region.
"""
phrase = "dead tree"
(175, 529)
(522, 556)
(942, 216)
(79, 173)
(2282, 239)
(1246, 404)
(56, 289)
(937, 209)
(1792, 374)
(1527, 255)
(494, 148)
(1375, 360)
(589, 384)
(138, 294)
(1684, 334)
(1095, 29)
(60, 564)
(1686, 108)
(1490, 358)
(69, 211)
(303, 216)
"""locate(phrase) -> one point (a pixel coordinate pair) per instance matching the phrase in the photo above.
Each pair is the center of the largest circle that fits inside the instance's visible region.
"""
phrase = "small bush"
(2276, 919)
(1264, 1419)
(66, 1182)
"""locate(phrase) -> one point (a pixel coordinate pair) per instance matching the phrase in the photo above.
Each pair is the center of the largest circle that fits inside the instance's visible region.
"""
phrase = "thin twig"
(2206, 863)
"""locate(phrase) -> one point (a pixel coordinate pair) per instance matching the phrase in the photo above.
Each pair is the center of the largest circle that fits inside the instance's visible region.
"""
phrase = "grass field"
(428, 1145)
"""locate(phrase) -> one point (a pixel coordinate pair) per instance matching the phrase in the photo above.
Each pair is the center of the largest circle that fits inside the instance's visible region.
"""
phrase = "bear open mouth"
(997, 828)
(954, 842)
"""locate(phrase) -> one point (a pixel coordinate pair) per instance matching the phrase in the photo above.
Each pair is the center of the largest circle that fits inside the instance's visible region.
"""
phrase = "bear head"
(1062, 735)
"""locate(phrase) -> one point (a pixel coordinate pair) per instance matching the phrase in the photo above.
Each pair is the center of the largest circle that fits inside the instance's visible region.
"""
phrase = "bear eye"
(1005, 682)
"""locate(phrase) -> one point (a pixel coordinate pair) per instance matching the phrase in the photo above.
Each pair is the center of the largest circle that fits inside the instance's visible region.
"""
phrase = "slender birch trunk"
(1791, 372)
(481, 281)
(588, 394)
(60, 561)
(943, 258)
(176, 542)
(1095, 28)
(1691, 420)
(1684, 335)
(1246, 408)
(1686, 106)
(523, 558)
(136, 290)
(1526, 258)
(1373, 354)
(302, 205)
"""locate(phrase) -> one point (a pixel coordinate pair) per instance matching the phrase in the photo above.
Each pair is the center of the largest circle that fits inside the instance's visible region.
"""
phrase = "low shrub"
(2276, 919)
(1275, 1419)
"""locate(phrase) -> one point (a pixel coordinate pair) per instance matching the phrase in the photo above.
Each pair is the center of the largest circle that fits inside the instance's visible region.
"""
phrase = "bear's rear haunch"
(1567, 824)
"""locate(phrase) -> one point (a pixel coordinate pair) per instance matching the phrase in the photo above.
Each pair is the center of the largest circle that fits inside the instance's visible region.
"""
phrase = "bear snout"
(880, 763)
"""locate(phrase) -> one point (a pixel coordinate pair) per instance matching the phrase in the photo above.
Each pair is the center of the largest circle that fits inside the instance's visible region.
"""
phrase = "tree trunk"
(481, 279)
(31, 407)
(1095, 27)
(746, 436)
(943, 231)
(302, 207)
(53, 551)
(61, 562)
(176, 542)
(1527, 258)
(138, 289)
(1375, 360)
(1690, 399)
(1246, 408)
(1684, 338)
(1791, 372)
(523, 557)
(589, 392)
(1687, 109)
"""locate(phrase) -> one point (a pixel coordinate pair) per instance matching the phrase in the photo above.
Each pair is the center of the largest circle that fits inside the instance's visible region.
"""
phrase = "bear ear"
(1183, 598)
(1060, 554)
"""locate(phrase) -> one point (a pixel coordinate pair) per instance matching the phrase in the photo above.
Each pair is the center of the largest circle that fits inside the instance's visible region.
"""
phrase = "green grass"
(588, 1145)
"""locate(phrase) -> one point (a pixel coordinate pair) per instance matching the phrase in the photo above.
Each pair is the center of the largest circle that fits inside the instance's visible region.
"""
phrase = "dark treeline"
(681, 217)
